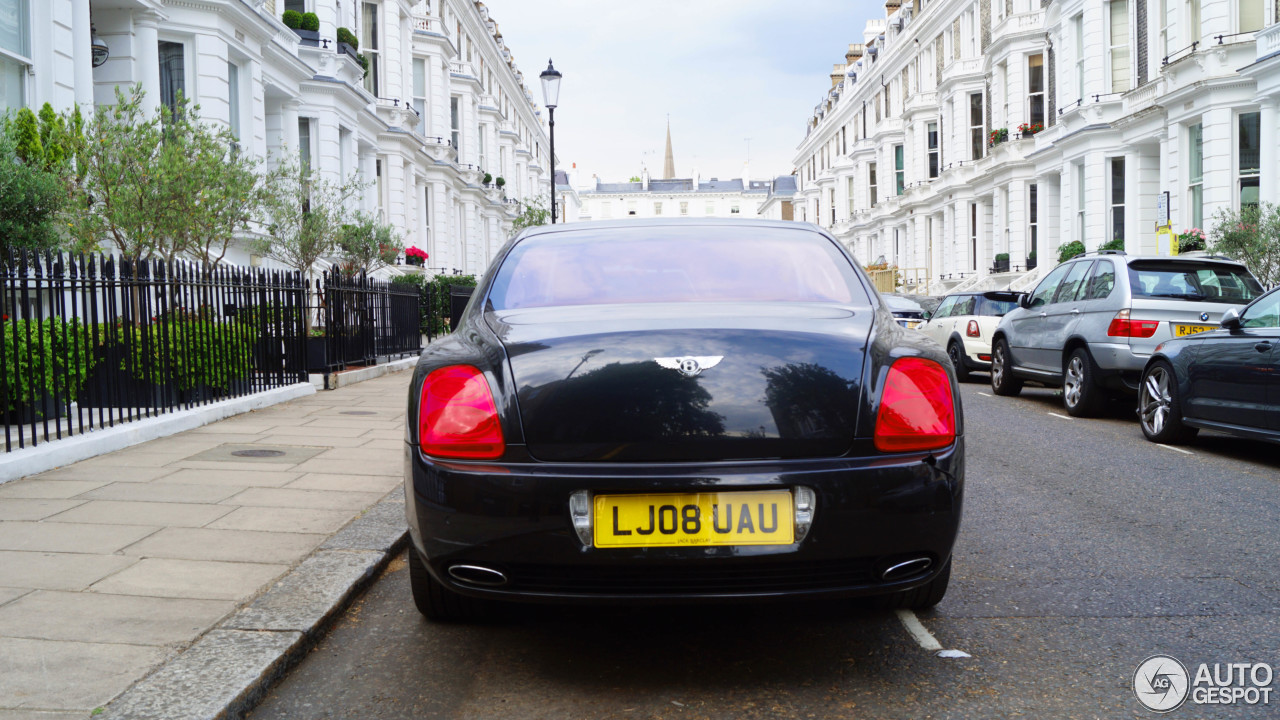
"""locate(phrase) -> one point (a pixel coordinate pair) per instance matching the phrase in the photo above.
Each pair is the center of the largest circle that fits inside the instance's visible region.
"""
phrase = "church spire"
(669, 167)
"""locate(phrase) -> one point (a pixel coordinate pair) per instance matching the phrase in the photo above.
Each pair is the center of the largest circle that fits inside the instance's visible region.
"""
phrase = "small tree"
(532, 214)
(31, 199)
(367, 244)
(1252, 236)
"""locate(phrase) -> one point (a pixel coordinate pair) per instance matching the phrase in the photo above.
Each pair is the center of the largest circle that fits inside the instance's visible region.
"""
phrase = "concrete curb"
(226, 672)
(68, 450)
(333, 381)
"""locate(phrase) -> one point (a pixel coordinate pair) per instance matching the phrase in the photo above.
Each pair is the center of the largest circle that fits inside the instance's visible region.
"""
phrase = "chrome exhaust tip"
(907, 568)
(477, 575)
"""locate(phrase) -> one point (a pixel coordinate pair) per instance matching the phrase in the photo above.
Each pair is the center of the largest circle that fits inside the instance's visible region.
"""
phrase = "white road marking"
(985, 394)
(1175, 449)
(918, 631)
(1064, 417)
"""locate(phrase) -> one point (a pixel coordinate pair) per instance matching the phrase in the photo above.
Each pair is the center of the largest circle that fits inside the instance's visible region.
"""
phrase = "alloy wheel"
(1155, 401)
(997, 365)
(1074, 382)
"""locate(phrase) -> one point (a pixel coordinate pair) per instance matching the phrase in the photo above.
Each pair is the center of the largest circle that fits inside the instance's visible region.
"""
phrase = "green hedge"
(45, 357)
(190, 350)
(434, 290)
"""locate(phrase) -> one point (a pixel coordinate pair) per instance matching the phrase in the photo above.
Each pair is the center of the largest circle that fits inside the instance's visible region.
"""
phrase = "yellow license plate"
(913, 324)
(1185, 330)
(695, 519)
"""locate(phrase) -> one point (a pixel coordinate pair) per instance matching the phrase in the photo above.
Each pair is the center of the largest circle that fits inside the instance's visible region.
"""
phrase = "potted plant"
(317, 351)
(308, 26)
(1029, 129)
(488, 179)
(415, 256)
(292, 19)
(348, 43)
(1002, 263)
(1031, 260)
(1191, 241)
(500, 182)
(995, 137)
(364, 63)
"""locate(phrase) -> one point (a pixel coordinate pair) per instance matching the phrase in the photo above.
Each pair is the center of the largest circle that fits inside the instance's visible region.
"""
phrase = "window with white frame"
(15, 53)
(420, 92)
(1195, 174)
(1164, 29)
(304, 143)
(684, 208)
(1194, 29)
(480, 144)
(173, 74)
(233, 99)
(871, 182)
(426, 219)
(295, 5)
(657, 208)
(851, 189)
(734, 210)
(931, 141)
(1077, 23)
(344, 153)
(369, 45)
(1118, 44)
(973, 235)
(1080, 219)
(977, 139)
(455, 125)
(899, 170)
(1116, 167)
(1249, 157)
(1251, 15)
(1035, 89)
(1033, 219)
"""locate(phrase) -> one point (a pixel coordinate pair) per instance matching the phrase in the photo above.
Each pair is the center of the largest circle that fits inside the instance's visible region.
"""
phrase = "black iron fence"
(358, 321)
(89, 341)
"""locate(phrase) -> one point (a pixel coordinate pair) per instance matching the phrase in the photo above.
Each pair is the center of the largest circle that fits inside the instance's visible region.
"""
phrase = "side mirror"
(1230, 319)
(926, 315)
(1024, 301)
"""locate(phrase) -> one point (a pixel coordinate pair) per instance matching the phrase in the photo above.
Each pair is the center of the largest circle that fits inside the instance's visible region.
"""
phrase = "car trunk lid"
(686, 381)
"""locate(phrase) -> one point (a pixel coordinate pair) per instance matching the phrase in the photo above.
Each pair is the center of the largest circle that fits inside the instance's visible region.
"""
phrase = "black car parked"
(680, 410)
(1226, 380)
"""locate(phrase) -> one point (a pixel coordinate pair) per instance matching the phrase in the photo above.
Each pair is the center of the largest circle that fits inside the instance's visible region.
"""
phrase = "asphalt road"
(1084, 550)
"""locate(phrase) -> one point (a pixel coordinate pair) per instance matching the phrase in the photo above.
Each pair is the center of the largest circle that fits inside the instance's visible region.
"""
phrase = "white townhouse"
(443, 102)
(679, 197)
(958, 130)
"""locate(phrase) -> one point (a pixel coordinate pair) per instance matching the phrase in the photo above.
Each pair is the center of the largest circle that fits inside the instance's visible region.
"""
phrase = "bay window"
(15, 53)
(173, 74)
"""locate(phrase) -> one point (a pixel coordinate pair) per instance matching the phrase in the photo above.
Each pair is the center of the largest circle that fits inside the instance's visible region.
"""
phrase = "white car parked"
(964, 324)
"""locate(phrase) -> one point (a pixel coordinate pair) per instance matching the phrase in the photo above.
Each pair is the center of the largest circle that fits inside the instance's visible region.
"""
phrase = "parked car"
(1091, 325)
(680, 410)
(1222, 380)
(964, 324)
(909, 312)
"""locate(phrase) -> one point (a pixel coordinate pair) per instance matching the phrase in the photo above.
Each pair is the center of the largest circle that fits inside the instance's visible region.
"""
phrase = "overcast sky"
(725, 71)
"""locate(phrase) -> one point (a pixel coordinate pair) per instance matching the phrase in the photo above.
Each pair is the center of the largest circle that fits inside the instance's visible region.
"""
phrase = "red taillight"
(457, 417)
(973, 330)
(916, 408)
(1122, 326)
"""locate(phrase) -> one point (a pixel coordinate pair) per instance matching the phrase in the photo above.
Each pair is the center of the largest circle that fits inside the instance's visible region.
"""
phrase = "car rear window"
(1183, 280)
(995, 308)
(665, 264)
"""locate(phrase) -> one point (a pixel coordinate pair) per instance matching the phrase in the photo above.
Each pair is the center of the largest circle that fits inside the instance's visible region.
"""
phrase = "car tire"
(925, 596)
(1002, 380)
(1160, 407)
(1081, 394)
(437, 602)
(956, 352)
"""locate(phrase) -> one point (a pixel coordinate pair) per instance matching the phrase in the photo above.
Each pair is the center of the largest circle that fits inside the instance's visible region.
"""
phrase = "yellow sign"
(1166, 241)
(694, 519)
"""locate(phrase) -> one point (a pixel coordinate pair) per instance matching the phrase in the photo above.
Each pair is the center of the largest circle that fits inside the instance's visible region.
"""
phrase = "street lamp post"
(551, 94)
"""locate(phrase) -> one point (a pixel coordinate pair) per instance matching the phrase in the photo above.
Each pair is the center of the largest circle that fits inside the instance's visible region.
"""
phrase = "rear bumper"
(1120, 366)
(869, 513)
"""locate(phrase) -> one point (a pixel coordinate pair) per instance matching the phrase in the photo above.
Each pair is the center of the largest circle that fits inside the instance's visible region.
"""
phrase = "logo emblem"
(690, 365)
(1204, 317)
(1161, 683)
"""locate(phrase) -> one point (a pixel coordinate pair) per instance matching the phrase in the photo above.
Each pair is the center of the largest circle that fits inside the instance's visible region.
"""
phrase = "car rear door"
(1061, 316)
(1235, 376)
(939, 325)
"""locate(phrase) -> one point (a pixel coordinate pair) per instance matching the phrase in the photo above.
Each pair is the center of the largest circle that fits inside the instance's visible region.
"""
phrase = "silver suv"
(1091, 324)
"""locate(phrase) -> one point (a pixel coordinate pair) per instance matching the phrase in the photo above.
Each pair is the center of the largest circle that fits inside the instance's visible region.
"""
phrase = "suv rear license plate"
(694, 519)
(1185, 330)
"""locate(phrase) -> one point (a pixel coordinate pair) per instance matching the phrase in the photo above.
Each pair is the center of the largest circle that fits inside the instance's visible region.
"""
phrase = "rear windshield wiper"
(1181, 296)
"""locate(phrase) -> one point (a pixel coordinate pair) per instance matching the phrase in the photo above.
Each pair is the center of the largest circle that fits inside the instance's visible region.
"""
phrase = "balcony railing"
(1268, 41)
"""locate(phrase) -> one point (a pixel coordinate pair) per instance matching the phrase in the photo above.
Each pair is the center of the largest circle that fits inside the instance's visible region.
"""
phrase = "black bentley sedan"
(1226, 380)
(680, 411)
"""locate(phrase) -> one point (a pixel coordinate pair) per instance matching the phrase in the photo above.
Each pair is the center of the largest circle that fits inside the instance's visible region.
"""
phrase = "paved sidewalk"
(113, 567)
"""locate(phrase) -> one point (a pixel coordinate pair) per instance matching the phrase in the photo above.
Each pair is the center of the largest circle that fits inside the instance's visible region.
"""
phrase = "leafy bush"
(45, 358)
(189, 350)
(500, 182)
(311, 22)
(434, 298)
(1070, 250)
(1115, 244)
(488, 178)
(1002, 256)
(1252, 236)
(31, 199)
(364, 63)
(292, 19)
(346, 36)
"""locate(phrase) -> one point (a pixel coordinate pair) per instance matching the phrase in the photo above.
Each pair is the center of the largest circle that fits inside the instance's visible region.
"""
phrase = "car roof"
(1127, 258)
(589, 225)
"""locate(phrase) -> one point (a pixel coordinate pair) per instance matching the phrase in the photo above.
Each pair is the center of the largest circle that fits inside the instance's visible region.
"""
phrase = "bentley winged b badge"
(691, 365)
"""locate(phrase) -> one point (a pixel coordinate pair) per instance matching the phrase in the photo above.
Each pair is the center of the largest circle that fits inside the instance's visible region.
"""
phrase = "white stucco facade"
(678, 197)
(440, 71)
(899, 162)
